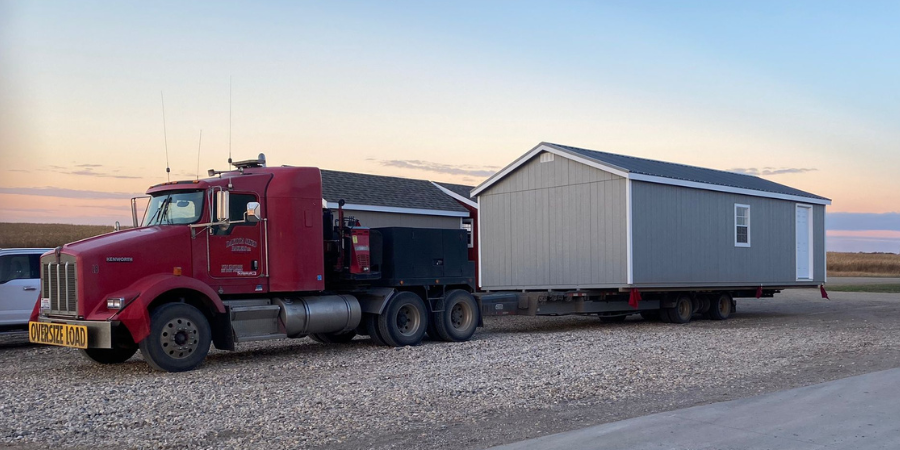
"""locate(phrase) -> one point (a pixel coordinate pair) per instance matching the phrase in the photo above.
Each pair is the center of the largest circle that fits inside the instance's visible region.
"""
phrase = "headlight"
(115, 303)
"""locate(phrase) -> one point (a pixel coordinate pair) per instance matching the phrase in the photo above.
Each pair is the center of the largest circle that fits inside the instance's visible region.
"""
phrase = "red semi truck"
(253, 254)
(250, 254)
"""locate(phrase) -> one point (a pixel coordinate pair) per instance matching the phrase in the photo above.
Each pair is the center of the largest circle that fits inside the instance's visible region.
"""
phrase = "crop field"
(863, 264)
(48, 235)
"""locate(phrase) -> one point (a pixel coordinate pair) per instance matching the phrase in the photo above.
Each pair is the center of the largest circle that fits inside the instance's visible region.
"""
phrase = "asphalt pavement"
(859, 413)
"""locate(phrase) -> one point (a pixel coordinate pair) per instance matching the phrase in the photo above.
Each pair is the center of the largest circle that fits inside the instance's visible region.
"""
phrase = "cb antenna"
(229, 121)
(165, 135)
(198, 154)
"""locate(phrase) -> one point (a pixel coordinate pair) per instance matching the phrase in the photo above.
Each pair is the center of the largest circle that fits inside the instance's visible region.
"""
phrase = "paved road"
(853, 413)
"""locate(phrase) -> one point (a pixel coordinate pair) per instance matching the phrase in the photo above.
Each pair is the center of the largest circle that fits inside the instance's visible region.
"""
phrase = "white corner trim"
(479, 238)
(629, 278)
(392, 209)
(456, 196)
(729, 189)
(543, 147)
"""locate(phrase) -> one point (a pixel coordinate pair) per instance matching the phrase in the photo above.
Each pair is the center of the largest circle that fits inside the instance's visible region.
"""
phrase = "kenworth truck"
(245, 255)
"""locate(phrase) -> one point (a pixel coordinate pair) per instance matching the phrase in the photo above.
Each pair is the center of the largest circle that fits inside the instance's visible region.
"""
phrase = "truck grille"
(59, 284)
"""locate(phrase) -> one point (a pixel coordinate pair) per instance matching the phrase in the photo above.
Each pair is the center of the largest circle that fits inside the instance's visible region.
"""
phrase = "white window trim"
(812, 242)
(736, 243)
(471, 229)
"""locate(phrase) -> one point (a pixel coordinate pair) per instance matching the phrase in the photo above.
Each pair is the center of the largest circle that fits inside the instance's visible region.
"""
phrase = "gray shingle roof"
(687, 173)
(377, 190)
(460, 189)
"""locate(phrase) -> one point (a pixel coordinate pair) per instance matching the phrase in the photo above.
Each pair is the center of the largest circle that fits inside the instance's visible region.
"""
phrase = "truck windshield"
(174, 208)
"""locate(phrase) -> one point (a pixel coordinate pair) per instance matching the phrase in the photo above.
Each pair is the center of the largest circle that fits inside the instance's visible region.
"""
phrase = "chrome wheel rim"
(179, 338)
(684, 308)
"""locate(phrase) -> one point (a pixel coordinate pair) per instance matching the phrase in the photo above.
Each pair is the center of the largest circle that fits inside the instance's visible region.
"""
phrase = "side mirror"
(222, 209)
(252, 212)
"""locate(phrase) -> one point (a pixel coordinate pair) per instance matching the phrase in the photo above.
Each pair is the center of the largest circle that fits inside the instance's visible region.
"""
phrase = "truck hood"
(111, 262)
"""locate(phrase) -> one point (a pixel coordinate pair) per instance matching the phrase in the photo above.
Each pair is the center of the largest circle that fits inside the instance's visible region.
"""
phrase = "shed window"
(546, 157)
(741, 225)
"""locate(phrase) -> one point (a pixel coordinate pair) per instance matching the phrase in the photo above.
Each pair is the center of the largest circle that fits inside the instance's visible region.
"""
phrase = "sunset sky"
(801, 93)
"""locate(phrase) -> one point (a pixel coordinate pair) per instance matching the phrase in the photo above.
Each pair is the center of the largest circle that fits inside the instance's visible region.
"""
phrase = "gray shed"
(562, 217)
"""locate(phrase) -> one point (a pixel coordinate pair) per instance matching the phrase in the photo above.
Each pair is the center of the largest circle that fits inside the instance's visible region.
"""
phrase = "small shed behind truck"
(562, 217)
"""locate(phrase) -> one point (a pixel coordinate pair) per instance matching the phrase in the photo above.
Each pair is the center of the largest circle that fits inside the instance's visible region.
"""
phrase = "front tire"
(459, 319)
(179, 338)
(109, 355)
(404, 321)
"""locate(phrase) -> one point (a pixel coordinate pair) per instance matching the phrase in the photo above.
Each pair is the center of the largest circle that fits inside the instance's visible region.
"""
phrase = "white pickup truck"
(20, 284)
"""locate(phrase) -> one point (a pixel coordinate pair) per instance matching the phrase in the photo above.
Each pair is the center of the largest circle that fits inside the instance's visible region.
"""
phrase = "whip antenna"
(198, 154)
(165, 135)
(229, 121)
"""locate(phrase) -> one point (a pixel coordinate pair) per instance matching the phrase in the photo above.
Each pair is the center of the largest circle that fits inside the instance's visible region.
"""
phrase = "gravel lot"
(519, 378)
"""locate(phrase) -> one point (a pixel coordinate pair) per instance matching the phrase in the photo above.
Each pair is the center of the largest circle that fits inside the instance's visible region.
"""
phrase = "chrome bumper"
(99, 333)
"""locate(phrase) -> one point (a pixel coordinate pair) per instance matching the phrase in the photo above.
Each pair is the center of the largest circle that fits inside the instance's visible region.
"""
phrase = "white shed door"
(804, 243)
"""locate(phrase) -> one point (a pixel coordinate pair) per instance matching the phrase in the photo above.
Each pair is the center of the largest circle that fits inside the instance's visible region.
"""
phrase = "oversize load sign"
(60, 334)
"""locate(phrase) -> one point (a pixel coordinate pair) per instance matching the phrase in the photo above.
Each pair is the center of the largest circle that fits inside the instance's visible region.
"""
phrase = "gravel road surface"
(520, 377)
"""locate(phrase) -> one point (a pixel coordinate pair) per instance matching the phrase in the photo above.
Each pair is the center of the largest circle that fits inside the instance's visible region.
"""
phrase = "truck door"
(236, 251)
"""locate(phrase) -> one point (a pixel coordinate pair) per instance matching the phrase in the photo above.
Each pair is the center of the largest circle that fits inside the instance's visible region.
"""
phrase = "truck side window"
(237, 206)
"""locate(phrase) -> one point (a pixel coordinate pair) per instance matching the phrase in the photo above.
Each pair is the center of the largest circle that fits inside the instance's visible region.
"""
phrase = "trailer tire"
(109, 355)
(720, 308)
(371, 321)
(682, 311)
(179, 338)
(704, 306)
(404, 320)
(333, 338)
(459, 319)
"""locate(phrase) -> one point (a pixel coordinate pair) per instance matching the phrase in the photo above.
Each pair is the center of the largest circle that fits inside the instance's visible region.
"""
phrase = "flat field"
(863, 264)
(48, 235)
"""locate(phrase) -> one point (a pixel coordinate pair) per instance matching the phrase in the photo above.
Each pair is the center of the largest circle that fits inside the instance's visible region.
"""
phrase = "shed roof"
(391, 194)
(642, 169)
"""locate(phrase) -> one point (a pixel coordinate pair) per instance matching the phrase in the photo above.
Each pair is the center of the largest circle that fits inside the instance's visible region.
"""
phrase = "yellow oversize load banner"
(61, 334)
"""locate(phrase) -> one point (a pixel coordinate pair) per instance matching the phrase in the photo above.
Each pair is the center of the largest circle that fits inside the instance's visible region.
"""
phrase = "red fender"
(135, 315)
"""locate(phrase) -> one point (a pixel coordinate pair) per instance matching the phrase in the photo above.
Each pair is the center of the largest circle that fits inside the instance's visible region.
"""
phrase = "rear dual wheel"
(458, 320)
(721, 307)
(403, 322)
(681, 312)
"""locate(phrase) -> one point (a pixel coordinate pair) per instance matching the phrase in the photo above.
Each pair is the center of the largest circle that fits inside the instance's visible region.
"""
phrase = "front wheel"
(109, 355)
(179, 338)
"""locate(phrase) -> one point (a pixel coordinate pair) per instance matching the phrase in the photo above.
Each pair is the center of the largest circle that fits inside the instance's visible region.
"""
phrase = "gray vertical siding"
(559, 224)
(374, 219)
(684, 236)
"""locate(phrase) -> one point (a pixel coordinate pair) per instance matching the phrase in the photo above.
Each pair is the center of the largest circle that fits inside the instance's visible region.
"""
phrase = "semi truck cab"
(249, 254)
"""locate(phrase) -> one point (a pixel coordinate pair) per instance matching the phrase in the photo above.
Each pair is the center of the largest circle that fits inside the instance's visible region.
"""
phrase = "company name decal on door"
(241, 245)
(237, 269)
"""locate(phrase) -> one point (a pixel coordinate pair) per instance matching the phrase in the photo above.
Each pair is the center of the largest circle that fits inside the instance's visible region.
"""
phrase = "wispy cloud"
(88, 170)
(428, 166)
(18, 170)
(89, 165)
(50, 191)
(771, 170)
(862, 221)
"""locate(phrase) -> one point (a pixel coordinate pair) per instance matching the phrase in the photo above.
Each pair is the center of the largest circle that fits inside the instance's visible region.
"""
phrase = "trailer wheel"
(459, 319)
(179, 338)
(720, 308)
(404, 321)
(109, 355)
(333, 338)
(704, 306)
(682, 312)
